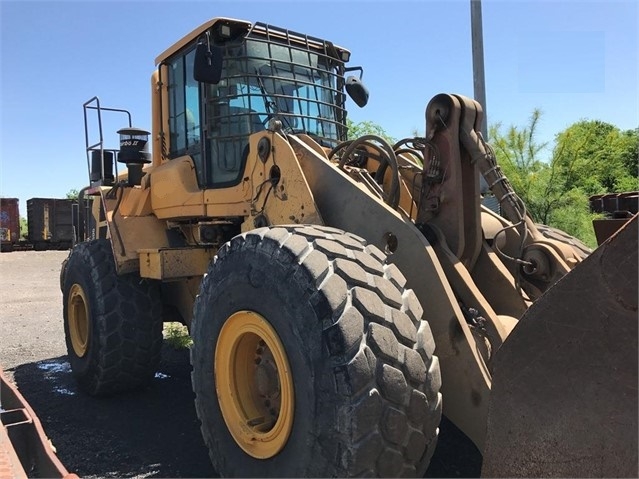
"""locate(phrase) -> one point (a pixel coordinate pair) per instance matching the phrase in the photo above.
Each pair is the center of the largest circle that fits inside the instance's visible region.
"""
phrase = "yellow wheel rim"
(254, 384)
(78, 320)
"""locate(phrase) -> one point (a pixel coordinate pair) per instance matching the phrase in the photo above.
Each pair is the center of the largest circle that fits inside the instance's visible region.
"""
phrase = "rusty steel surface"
(618, 209)
(564, 398)
(50, 220)
(605, 228)
(614, 202)
(10, 465)
(9, 221)
(25, 450)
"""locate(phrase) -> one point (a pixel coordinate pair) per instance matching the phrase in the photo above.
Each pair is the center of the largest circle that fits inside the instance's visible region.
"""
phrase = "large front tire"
(311, 359)
(112, 324)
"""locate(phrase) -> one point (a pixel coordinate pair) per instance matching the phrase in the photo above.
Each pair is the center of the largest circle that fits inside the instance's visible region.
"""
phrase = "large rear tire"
(311, 359)
(112, 324)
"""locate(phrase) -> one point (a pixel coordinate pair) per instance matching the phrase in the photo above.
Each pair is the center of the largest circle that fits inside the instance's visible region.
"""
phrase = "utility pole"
(479, 81)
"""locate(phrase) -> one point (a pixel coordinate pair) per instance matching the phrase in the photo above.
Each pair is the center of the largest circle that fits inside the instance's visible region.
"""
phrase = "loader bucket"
(564, 396)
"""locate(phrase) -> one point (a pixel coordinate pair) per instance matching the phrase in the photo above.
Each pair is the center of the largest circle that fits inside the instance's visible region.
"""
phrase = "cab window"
(184, 112)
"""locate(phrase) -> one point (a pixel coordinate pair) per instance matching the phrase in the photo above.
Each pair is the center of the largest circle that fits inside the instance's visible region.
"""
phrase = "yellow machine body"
(475, 272)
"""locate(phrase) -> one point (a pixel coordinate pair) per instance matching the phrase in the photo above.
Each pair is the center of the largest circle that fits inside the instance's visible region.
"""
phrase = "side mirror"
(207, 67)
(357, 91)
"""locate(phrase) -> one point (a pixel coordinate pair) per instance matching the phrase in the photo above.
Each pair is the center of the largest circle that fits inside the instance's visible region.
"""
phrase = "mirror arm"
(355, 69)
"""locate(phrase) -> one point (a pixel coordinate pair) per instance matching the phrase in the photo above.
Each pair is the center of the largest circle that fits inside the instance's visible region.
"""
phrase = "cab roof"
(193, 35)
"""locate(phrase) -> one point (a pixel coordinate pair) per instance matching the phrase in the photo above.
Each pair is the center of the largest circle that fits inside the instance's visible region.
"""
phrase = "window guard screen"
(270, 75)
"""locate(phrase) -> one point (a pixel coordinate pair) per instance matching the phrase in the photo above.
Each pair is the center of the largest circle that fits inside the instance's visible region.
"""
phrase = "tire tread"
(125, 346)
(376, 343)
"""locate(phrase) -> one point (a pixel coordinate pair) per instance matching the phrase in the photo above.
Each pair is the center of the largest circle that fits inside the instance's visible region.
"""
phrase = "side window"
(192, 100)
(177, 113)
(184, 111)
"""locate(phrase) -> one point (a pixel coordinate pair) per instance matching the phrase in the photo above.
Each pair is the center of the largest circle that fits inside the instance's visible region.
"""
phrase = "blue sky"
(572, 59)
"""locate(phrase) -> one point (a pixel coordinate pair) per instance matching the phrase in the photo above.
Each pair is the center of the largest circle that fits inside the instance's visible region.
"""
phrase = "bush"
(177, 335)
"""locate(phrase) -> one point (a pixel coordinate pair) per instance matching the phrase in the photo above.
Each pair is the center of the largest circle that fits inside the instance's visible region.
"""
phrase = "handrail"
(94, 104)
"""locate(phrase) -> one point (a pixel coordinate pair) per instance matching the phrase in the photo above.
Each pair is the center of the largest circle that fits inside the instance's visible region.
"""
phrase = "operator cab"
(229, 79)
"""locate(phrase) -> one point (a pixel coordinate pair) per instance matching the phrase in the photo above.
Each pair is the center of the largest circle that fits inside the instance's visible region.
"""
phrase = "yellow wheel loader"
(342, 294)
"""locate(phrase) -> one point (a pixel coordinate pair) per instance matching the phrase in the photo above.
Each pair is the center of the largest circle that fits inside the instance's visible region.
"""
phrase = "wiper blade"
(270, 103)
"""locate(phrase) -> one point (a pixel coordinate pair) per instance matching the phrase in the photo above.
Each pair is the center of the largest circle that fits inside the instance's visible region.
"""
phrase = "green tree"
(24, 227)
(356, 130)
(546, 181)
(72, 194)
(598, 157)
(519, 155)
(629, 143)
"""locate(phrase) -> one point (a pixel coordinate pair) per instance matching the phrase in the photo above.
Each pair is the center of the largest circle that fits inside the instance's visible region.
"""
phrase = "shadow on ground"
(150, 433)
(455, 454)
(155, 432)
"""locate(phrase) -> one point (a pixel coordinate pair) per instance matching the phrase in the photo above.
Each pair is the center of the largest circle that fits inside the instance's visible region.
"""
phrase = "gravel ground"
(151, 433)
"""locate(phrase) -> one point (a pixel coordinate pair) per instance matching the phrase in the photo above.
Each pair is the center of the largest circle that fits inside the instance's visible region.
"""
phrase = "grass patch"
(177, 335)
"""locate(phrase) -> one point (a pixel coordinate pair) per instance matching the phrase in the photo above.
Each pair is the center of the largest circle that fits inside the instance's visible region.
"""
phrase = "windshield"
(299, 87)
(262, 80)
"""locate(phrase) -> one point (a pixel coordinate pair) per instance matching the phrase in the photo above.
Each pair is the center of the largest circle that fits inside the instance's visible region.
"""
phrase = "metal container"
(50, 223)
(9, 222)
(617, 208)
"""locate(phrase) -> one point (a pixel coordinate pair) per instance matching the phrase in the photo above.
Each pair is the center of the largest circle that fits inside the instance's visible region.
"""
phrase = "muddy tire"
(311, 359)
(112, 324)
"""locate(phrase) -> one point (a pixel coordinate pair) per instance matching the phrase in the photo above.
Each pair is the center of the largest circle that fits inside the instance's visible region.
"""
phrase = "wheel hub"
(78, 320)
(267, 382)
(254, 384)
